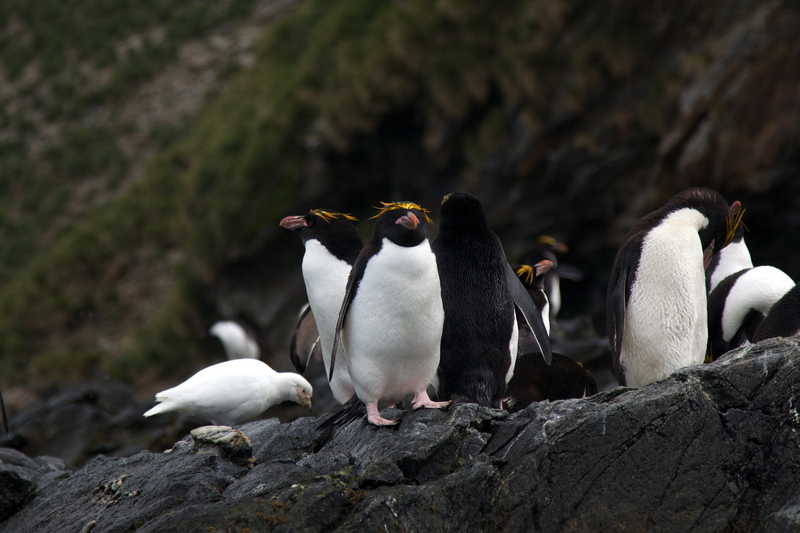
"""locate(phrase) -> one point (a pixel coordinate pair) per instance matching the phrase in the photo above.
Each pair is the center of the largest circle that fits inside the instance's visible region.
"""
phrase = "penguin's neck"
(731, 259)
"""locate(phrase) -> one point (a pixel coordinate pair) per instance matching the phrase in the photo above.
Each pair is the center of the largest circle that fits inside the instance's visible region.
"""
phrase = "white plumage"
(666, 326)
(237, 343)
(758, 288)
(393, 329)
(232, 392)
(731, 259)
(325, 278)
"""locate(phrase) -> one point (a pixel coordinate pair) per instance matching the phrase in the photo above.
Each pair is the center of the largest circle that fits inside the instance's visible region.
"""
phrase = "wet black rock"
(712, 448)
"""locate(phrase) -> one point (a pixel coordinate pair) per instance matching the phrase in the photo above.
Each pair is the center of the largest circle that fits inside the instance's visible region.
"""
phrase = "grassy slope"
(325, 69)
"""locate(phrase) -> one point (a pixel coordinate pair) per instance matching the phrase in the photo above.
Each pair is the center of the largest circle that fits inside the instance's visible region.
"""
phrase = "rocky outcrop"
(712, 448)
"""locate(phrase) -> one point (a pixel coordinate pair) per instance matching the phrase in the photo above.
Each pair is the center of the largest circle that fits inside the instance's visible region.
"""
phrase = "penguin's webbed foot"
(374, 416)
(421, 399)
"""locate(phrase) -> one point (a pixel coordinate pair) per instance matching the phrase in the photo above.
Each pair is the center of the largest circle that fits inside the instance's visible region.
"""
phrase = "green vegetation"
(330, 67)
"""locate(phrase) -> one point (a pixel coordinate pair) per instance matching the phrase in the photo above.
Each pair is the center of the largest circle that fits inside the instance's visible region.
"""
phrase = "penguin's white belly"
(666, 319)
(394, 325)
(325, 277)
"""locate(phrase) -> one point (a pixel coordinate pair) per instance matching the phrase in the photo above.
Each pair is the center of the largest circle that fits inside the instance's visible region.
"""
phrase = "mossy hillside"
(329, 70)
(66, 70)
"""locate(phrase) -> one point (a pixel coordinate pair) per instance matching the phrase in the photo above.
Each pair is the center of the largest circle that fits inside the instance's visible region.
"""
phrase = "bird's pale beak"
(409, 220)
(305, 401)
(293, 222)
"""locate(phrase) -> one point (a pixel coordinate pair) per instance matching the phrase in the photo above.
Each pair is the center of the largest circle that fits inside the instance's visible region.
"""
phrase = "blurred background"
(149, 148)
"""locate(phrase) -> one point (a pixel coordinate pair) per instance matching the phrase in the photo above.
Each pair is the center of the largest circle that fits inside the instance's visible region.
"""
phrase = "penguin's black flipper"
(532, 316)
(616, 302)
(3, 413)
(304, 340)
(350, 292)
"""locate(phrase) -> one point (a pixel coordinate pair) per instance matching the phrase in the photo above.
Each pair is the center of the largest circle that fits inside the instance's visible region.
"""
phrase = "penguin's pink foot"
(374, 416)
(421, 399)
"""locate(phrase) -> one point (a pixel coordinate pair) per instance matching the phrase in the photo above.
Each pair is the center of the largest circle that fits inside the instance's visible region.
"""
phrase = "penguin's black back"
(783, 320)
(478, 307)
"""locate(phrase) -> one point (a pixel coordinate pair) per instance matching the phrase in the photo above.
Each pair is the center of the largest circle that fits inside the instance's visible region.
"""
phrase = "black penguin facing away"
(656, 305)
(479, 294)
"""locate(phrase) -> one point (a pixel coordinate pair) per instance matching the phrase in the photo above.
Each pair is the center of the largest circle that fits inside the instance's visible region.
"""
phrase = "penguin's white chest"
(731, 259)
(325, 277)
(394, 325)
(666, 316)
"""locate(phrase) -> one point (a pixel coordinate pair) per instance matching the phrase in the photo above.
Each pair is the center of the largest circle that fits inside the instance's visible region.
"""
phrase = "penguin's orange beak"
(409, 220)
(293, 222)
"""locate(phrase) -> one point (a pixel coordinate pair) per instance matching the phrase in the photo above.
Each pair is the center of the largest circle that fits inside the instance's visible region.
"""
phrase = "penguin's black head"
(403, 223)
(318, 222)
(723, 220)
(532, 276)
(461, 211)
(333, 229)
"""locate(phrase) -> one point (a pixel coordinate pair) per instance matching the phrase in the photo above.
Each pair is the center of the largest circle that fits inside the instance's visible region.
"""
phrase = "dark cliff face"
(712, 448)
(696, 96)
(573, 121)
(561, 117)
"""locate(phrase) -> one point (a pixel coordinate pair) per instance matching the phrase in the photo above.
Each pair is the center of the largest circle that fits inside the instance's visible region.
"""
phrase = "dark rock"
(21, 476)
(87, 419)
(712, 448)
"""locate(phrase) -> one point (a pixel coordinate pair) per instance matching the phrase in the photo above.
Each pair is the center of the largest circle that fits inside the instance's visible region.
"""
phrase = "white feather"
(231, 392)
(394, 325)
(732, 259)
(325, 277)
(666, 320)
(758, 288)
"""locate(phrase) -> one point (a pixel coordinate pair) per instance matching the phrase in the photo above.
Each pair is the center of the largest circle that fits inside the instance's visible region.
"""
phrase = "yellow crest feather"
(391, 206)
(327, 216)
(547, 239)
(732, 224)
(528, 272)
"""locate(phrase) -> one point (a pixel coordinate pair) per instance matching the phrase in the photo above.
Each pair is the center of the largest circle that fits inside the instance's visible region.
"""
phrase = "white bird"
(238, 343)
(231, 392)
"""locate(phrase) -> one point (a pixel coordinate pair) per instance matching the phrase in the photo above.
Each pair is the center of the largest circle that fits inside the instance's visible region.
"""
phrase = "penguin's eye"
(310, 221)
